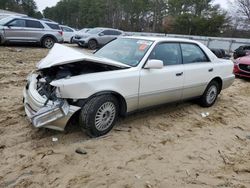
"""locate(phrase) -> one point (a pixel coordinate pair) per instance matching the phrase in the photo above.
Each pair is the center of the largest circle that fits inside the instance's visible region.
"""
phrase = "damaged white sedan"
(126, 75)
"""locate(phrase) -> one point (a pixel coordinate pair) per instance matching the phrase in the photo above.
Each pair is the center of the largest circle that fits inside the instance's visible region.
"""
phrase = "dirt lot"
(172, 146)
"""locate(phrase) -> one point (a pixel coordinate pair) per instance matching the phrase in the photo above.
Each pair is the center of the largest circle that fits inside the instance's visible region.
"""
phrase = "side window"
(53, 26)
(169, 53)
(192, 54)
(17, 23)
(107, 32)
(117, 33)
(66, 29)
(33, 24)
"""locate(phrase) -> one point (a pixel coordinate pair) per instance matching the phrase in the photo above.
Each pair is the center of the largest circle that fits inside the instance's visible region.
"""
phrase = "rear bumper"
(227, 82)
(54, 115)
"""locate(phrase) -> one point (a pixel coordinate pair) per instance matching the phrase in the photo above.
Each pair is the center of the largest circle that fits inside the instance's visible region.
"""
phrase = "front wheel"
(92, 44)
(99, 115)
(210, 95)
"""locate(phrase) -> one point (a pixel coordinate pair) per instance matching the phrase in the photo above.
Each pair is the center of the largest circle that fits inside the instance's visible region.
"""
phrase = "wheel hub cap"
(105, 116)
(211, 95)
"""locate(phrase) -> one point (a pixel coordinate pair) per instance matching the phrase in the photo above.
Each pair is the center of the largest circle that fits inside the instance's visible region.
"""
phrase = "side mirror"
(101, 34)
(154, 64)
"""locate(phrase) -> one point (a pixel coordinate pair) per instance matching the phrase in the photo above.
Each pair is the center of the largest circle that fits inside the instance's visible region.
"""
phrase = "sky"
(42, 4)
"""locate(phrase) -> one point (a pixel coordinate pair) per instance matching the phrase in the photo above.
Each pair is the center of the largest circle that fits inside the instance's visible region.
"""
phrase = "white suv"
(16, 29)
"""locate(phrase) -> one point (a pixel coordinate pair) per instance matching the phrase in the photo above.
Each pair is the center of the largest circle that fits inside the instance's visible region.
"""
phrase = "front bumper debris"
(53, 115)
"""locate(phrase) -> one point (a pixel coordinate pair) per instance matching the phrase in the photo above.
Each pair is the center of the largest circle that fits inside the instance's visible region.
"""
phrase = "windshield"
(95, 31)
(125, 50)
(3, 21)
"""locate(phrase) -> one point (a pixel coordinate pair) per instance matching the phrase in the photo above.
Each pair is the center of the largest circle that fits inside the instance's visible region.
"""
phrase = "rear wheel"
(210, 95)
(92, 44)
(99, 115)
(48, 42)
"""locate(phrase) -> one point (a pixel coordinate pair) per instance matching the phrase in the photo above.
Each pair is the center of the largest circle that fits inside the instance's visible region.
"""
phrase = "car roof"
(106, 28)
(161, 39)
(30, 18)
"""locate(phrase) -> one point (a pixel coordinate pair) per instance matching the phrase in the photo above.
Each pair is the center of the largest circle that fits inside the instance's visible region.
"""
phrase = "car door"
(105, 37)
(159, 86)
(34, 30)
(198, 70)
(14, 30)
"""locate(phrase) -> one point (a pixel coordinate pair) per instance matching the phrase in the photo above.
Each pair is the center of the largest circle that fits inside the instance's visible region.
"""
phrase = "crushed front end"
(43, 107)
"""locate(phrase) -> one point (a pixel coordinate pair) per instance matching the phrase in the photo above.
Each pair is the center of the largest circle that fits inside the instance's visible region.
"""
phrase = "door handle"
(179, 74)
(211, 70)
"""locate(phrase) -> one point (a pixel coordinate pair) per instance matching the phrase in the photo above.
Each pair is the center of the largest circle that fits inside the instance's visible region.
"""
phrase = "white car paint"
(60, 55)
(68, 33)
(139, 86)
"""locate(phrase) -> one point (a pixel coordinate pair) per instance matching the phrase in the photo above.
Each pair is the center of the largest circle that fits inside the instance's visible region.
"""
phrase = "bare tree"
(244, 7)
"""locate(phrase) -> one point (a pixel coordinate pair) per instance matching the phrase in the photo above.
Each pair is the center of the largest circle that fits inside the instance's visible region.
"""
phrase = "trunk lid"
(61, 55)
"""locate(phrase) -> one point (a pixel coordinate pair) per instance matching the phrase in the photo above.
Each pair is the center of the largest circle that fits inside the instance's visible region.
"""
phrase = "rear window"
(66, 29)
(53, 26)
(33, 24)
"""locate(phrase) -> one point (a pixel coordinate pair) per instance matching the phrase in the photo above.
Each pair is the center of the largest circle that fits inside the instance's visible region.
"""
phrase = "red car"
(242, 67)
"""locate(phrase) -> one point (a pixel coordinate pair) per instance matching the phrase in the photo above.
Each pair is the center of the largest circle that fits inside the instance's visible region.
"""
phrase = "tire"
(71, 40)
(92, 44)
(48, 42)
(99, 115)
(210, 95)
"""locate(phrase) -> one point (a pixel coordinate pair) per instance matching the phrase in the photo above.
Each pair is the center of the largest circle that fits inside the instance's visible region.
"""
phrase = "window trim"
(209, 60)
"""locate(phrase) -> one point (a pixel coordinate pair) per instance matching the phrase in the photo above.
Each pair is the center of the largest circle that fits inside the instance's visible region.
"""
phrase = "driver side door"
(159, 86)
(14, 30)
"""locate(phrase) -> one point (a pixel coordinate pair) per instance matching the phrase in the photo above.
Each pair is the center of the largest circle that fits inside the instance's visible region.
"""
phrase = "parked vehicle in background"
(242, 67)
(220, 53)
(15, 29)
(241, 51)
(97, 37)
(68, 33)
(127, 74)
(79, 33)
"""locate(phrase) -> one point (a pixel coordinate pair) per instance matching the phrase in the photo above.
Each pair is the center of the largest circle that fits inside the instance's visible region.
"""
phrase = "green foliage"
(195, 17)
(21, 6)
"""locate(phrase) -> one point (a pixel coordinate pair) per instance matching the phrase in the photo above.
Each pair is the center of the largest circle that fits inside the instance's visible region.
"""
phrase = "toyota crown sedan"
(126, 75)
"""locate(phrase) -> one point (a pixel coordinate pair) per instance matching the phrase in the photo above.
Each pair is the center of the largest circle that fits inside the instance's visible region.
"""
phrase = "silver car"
(97, 37)
(16, 29)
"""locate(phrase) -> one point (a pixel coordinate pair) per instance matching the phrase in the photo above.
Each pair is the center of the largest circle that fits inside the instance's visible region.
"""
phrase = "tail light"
(60, 32)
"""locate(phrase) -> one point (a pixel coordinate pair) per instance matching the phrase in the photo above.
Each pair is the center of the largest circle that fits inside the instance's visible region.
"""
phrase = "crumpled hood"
(60, 55)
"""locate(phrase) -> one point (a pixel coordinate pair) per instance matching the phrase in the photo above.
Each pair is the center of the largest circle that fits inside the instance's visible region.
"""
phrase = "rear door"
(34, 30)
(159, 86)
(198, 70)
(14, 30)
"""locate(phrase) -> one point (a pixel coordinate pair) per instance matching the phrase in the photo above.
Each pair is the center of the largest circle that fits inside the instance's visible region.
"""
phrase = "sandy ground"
(172, 146)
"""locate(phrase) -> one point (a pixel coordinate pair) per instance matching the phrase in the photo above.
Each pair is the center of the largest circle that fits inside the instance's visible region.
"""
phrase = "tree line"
(27, 7)
(192, 17)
